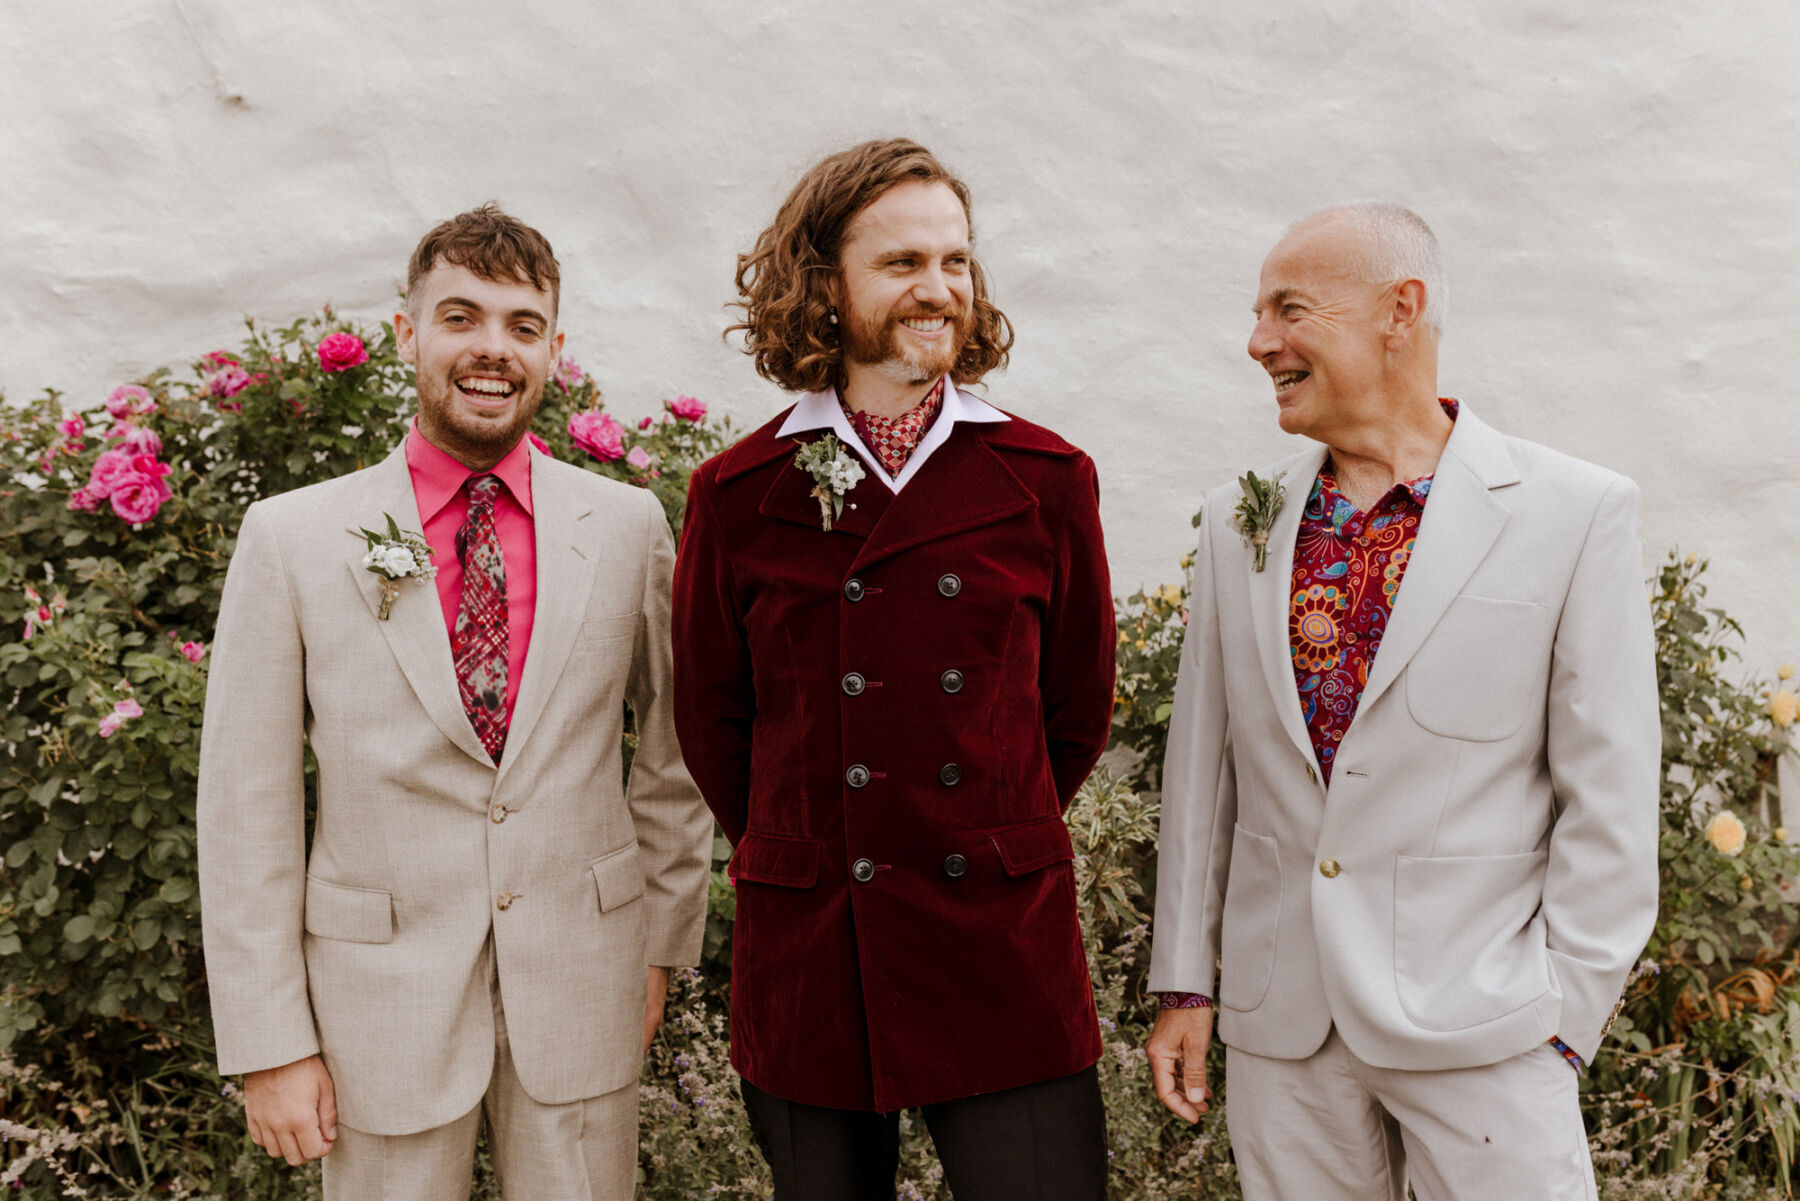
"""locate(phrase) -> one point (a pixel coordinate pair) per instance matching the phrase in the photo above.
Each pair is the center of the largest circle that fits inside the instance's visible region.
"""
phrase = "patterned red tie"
(479, 645)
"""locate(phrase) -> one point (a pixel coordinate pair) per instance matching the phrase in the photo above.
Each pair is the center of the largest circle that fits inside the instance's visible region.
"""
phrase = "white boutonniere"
(395, 556)
(834, 470)
(1255, 512)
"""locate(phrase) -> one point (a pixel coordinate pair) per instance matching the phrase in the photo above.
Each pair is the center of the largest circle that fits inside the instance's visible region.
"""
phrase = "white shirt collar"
(821, 410)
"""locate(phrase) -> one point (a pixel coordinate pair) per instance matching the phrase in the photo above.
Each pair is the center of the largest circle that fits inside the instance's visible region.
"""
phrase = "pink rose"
(645, 423)
(143, 441)
(193, 652)
(110, 470)
(109, 725)
(138, 499)
(72, 428)
(568, 374)
(129, 401)
(340, 352)
(128, 708)
(598, 434)
(226, 382)
(83, 501)
(638, 458)
(539, 443)
(151, 467)
(688, 408)
(216, 359)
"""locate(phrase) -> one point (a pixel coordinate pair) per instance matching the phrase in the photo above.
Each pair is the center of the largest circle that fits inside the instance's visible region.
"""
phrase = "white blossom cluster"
(397, 561)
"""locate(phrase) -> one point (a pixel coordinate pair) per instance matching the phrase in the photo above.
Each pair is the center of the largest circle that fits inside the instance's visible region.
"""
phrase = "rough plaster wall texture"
(1615, 187)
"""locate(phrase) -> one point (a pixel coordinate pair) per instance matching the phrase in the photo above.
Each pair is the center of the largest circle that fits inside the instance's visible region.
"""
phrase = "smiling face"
(1321, 331)
(905, 292)
(481, 349)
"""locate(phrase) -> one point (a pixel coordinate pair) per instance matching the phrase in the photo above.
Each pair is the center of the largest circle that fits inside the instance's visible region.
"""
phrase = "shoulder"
(1019, 436)
(590, 485)
(1572, 477)
(759, 448)
(311, 503)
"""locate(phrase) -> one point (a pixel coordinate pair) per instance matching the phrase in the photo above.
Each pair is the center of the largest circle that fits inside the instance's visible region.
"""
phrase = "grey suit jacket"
(1492, 814)
(369, 945)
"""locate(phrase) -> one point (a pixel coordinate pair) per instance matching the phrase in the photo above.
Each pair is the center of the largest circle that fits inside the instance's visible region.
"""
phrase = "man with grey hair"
(1410, 799)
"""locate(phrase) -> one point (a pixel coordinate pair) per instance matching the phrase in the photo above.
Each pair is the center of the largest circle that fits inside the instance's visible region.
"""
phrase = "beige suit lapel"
(1462, 520)
(415, 626)
(1271, 595)
(571, 541)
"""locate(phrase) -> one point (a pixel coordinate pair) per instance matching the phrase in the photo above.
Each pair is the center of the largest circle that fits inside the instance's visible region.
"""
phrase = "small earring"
(834, 314)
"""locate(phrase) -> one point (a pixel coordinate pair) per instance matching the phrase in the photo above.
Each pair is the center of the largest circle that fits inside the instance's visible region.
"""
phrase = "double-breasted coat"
(888, 720)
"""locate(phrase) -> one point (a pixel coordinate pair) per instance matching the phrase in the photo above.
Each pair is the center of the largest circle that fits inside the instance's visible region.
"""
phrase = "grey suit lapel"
(1271, 595)
(1462, 519)
(570, 543)
(415, 626)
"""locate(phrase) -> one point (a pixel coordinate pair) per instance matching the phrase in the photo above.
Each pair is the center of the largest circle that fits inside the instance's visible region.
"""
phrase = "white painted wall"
(1615, 186)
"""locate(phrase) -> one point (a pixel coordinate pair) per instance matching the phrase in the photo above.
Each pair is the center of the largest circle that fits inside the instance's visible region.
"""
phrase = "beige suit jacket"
(368, 946)
(1492, 814)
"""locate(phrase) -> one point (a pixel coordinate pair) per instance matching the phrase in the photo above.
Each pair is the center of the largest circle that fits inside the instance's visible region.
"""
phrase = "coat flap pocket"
(1034, 845)
(775, 859)
(619, 877)
(608, 627)
(348, 914)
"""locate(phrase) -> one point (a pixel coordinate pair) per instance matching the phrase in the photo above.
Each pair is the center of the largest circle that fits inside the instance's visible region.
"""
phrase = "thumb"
(1193, 1072)
(328, 1111)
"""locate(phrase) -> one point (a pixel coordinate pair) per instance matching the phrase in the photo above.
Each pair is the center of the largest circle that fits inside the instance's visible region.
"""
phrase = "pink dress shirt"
(437, 481)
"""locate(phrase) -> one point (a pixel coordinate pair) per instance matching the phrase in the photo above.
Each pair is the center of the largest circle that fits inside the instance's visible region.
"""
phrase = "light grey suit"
(372, 950)
(1492, 815)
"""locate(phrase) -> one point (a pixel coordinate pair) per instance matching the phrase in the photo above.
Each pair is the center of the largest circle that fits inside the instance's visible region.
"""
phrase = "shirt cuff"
(1185, 1000)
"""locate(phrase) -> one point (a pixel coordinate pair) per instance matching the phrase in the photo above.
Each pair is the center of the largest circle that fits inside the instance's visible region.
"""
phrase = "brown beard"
(473, 443)
(867, 342)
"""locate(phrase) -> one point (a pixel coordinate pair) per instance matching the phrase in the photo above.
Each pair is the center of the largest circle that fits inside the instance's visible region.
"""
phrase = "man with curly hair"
(894, 664)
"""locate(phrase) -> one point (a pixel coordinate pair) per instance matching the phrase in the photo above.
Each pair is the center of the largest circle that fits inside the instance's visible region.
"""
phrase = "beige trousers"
(1332, 1128)
(582, 1151)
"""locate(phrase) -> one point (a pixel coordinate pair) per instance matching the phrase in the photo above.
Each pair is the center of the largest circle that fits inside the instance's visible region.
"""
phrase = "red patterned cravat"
(479, 644)
(893, 439)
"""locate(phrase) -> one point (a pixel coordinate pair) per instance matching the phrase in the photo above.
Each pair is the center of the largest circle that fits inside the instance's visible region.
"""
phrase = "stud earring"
(833, 315)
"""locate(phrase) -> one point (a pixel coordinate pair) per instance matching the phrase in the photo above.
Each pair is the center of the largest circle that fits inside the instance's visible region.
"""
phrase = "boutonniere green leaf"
(834, 471)
(1255, 514)
(395, 556)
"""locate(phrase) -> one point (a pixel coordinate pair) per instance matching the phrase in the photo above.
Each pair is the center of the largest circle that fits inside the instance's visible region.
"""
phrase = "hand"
(1177, 1051)
(292, 1110)
(653, 1003)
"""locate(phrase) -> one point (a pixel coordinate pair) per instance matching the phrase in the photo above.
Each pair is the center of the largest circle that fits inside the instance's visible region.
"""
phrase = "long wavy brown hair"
(784, 281)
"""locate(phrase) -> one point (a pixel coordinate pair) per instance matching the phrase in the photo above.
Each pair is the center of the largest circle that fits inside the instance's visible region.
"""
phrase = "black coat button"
(853, 590)
(955, 866)
(857, 776)
(950, 681)
(854, 684)
(949, 774)
(862, 871)
(949, 585)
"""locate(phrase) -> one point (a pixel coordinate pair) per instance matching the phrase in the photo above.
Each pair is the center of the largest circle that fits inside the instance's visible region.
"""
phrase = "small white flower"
(400, 561)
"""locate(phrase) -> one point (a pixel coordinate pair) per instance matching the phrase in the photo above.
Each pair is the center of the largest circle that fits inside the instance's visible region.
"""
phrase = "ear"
(1406, 313)
(556, 345)
(834, 289)
(405, 338)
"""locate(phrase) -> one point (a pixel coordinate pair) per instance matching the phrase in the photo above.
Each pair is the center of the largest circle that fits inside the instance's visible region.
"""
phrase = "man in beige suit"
(485, 919)
(1410, 800)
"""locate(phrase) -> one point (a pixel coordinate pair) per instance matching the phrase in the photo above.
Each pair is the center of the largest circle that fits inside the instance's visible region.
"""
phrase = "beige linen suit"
(371, 948)
(1482, 872)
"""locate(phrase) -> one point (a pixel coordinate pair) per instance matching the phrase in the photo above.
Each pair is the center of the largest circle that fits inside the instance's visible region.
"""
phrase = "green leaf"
(78, 929)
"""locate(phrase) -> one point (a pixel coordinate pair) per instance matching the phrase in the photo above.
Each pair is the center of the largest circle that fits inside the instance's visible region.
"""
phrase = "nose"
(1264, 341)
(933, 287)
(490, 340)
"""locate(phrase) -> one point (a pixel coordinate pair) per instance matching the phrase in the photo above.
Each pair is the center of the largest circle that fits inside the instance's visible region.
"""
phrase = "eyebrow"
(459, 302)
(1278, 297)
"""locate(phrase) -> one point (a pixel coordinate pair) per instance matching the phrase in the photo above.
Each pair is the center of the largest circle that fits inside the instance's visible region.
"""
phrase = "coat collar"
(415, 632)
(822, 411)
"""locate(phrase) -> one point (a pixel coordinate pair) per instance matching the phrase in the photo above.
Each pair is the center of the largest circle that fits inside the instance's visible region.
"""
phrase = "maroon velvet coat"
(888, 721)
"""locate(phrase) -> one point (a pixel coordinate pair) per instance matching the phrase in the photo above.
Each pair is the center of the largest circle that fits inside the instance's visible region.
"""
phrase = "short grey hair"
(1393, 244)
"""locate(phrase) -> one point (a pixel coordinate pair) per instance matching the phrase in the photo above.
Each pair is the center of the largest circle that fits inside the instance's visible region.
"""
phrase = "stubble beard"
(474, 441)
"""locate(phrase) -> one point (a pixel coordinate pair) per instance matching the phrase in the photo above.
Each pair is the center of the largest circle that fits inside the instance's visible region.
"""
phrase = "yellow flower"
(1141, 644)
(1725, 832)
(1171, 593)
(1691, 559)
(1781, 708)
(1786, 672)
(1780, 833)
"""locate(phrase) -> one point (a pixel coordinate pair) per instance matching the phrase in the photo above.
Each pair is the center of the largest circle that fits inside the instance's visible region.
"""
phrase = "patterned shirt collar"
(1327, 503)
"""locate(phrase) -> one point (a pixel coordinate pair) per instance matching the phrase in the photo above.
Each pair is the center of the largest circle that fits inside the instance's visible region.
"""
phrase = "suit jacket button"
(949, 585)
(497, 814)
(854, 684)
(1329, 868)
(857, 776)
(951, 681)
(949, 775)
(504, 901)
(1312, 773)
(853, 590)
(955, 866)
(862, 871)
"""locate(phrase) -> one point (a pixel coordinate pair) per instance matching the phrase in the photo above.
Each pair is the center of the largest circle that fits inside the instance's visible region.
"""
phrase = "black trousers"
(1038, 1142)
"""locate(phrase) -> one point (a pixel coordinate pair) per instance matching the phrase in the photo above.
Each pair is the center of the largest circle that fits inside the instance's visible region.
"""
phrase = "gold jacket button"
(1312, 773)
(504, 901)
(1329, 868)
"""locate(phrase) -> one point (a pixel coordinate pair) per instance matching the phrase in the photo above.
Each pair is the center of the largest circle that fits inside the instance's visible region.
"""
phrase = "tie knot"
(483, 487)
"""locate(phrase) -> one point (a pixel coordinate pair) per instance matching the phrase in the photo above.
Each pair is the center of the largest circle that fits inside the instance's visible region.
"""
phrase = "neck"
(473, 456)
(869, 388)
(1402, 443)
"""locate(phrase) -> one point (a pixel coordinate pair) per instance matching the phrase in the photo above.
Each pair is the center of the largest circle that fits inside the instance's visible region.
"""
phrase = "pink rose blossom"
(143, 441)
(340, 352)
(110, 470)
(72, 428)
(638, 458)
(688, 408)
(226, 382)
(138, 500)
(193, 652)
(129, 401)
(215, 359)
(109, 725)
(128, 708)
(598, 434)
(31, 594)
(539, 443)
(83, 501)
(645, 423)
(569, 374)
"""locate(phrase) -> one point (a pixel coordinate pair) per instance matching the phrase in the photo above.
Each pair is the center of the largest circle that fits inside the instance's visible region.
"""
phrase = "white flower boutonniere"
(1255, 512)
(397, 555)
(834, 470)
